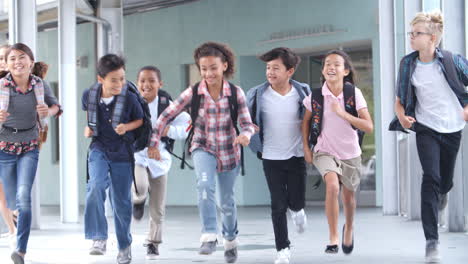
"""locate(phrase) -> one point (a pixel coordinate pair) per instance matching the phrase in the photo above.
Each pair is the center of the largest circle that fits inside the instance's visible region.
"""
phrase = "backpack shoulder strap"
(93, 101)
(316, 102)
(233, 106)
(349, 96)
(451, 70)
(164, 100)
(195, 104)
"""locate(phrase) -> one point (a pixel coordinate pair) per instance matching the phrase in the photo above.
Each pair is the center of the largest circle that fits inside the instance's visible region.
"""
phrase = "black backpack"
(164, 100)
(143, 133)
(317, 111)
(193, 110)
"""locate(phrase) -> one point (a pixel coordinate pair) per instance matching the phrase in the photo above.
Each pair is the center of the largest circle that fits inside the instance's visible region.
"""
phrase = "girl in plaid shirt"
(215, 145)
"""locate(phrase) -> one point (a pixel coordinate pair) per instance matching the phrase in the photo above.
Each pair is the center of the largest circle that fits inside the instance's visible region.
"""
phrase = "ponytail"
(40, 69)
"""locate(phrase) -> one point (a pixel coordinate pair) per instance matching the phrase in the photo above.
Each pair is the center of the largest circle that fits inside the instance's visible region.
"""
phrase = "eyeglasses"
(414, 34)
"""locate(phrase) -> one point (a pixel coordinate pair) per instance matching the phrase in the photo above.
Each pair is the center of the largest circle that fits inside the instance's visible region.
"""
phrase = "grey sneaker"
(17, 258)
(98, 248)
(125, 255)
(207, 248)
(443, 199)
(432, 251)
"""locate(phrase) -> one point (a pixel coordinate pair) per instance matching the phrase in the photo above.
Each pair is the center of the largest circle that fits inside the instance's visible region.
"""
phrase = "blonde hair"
(433, 21)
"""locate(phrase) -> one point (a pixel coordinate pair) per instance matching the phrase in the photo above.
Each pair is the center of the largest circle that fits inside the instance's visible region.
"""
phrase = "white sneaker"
(432, 251)
(98, 248)
(283, 256)
(299, 219)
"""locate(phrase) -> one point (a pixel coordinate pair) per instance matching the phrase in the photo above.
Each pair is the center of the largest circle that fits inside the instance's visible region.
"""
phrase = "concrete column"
(454, 40)
(69, 203)
(111, 11)
(386, 140)
(414, 177)
(23, 28)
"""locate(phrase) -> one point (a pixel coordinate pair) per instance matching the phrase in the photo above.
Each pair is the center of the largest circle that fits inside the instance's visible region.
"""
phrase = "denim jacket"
(254, 96)
(455, 72)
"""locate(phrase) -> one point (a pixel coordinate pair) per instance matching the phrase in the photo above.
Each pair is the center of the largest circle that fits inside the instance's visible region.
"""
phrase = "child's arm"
(177, 129)
(124, 128)
(363, 122)
(245, 121)
(308, 155)
(405, 121)
(170, 112)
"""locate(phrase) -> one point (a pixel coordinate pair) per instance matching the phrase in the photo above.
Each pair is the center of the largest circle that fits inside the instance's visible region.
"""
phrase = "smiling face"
(212, 70)
(19, 63)
(148, 84)
(277, 74)
(334, 70)
(112, 83)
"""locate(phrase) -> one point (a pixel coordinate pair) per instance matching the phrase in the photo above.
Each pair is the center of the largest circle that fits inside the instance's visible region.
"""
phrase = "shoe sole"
(151, 257)
(433, 260)
(97, 253)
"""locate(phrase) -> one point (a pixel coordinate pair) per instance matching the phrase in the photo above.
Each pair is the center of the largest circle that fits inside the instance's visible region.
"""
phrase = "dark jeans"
(286, 181)
(437, 154)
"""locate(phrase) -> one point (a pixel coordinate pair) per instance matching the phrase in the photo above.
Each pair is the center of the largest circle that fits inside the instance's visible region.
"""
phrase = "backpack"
(317, 111)
(253, 114)
(164, 100)
(193, 110)
(142, 133)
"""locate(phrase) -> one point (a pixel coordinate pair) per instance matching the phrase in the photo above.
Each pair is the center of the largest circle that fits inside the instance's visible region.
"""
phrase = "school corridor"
(390, 239)
(71, 35)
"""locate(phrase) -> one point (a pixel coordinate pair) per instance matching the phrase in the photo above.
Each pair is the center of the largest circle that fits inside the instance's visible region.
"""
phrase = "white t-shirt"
(437, 106)
(177, 130)
(282, 138)
(107, 100)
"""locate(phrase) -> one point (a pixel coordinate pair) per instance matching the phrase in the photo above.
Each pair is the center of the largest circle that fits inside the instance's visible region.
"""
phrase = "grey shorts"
(349, 171)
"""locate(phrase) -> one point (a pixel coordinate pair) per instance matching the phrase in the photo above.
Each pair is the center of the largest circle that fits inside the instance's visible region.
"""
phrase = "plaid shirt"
(213, 130)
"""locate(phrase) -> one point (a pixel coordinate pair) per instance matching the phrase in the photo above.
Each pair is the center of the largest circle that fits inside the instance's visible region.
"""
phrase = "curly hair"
(220, 50)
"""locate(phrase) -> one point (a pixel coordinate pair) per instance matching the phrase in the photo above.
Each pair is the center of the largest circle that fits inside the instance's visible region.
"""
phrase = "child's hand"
(243, 140)
(3, 115)
(42, 110)
(336, 107)
(308, 156)
(153, 153)
(406, 121)
(88, 132)
(121, 129)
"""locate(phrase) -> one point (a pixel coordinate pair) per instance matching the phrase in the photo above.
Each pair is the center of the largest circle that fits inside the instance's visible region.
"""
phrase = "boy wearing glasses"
(431, 99)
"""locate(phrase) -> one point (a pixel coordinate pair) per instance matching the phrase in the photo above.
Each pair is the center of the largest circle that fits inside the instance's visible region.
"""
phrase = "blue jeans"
(437, 154)
(205, 168)
(17, 173)
(117, 176)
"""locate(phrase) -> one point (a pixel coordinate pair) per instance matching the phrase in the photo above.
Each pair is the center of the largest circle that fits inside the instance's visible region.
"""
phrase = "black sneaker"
(207, 248)
(138, 211)
(152, 251)
(230, 255)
